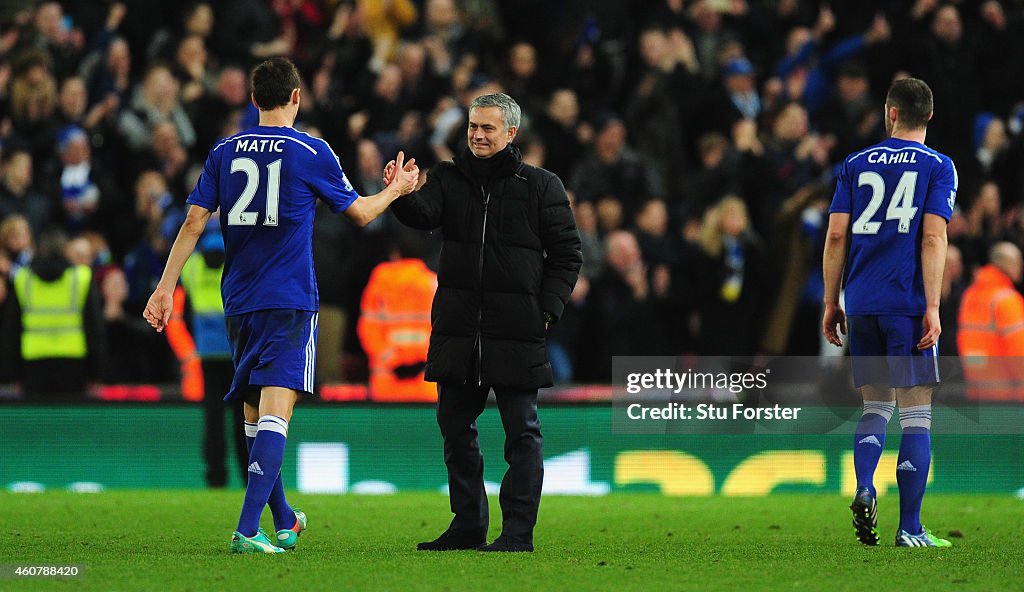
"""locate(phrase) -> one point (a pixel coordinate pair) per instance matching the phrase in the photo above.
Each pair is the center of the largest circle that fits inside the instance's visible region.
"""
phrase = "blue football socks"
(265, 457)
(912, 466)
(250, 435)
(869, 441)
(284, 516)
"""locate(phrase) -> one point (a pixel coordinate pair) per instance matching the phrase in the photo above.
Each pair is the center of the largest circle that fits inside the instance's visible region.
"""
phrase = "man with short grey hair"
(511, 114)
(511, 257)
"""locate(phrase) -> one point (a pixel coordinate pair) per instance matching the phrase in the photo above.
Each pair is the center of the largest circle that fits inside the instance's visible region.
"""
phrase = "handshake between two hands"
(404, 175)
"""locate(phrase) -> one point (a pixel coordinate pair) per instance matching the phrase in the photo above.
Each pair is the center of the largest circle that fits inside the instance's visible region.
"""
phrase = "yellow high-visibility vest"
(202, 284)
(52, 319)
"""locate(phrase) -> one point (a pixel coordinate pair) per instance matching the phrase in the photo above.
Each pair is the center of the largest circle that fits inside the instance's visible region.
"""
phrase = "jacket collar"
(507, 162)
(991, 276)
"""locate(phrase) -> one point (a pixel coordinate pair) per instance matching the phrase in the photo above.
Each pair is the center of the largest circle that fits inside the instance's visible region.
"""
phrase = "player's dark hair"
(273, 82)
(913, 99)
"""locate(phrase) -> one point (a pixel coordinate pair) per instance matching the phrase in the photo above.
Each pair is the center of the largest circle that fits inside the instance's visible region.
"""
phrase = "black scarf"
(485, 170)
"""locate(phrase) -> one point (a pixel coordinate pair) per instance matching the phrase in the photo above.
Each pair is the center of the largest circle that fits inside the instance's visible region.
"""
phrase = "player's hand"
(833, 316)
(392, 167)
(408, 179)
(405, 174)
(158, 309)
(930, 329)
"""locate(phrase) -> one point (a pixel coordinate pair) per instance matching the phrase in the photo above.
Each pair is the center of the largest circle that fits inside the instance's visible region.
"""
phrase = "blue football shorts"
(272, 348)
(884, 352)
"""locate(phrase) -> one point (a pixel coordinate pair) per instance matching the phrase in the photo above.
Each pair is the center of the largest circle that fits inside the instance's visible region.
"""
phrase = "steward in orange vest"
(991, 325)
(394, 329)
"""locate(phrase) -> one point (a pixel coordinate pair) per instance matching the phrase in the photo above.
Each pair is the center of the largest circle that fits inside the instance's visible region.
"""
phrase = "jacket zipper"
(480, 277)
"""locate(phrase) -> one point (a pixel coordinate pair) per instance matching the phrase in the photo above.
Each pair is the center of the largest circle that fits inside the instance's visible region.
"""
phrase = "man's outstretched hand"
(403, 172)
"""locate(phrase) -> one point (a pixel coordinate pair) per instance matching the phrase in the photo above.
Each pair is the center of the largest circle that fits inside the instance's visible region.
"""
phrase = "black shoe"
(453, 541)
(865, 517)
(508, 545)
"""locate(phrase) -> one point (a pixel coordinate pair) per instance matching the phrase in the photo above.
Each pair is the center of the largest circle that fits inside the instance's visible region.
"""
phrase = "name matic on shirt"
(264, 145)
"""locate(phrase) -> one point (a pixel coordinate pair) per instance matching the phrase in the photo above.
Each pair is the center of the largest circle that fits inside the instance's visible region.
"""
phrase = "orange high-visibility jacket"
(184, 348)
(991, 337)
(394, 328)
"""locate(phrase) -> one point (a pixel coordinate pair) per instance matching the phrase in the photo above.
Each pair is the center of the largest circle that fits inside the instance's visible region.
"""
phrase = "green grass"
(178, 540)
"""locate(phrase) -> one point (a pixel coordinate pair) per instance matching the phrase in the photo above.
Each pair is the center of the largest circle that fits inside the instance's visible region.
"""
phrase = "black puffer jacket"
(511, 252)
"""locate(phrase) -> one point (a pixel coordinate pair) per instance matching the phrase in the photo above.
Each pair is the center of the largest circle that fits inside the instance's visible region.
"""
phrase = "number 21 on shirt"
(238, 216)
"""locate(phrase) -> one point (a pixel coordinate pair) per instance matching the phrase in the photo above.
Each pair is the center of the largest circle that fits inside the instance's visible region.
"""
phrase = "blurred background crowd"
(698, 139)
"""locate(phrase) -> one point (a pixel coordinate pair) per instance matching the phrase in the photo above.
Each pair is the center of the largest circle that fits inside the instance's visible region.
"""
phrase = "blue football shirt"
(265, 181)
(887, 189)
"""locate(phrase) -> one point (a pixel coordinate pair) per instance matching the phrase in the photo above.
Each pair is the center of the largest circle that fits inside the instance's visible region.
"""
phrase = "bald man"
(991, 339)
(1007, 258)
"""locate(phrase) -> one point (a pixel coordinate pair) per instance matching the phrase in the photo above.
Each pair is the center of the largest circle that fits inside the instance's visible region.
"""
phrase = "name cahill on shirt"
(901, 157)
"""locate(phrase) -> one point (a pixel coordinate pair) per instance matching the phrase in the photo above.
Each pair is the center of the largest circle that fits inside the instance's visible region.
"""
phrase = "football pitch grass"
(178, 540)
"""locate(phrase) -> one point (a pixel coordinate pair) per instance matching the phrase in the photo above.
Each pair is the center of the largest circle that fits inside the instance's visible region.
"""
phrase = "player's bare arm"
(933, 259)
(158, 309)
(404, 177)
(833, 263)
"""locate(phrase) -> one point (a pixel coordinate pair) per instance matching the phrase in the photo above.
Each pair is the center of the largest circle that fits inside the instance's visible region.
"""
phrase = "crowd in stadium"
(698, 141)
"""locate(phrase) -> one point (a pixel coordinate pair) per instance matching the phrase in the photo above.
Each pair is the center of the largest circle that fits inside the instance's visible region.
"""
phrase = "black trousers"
(55, 377)
(217, 375)
(458, 408)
